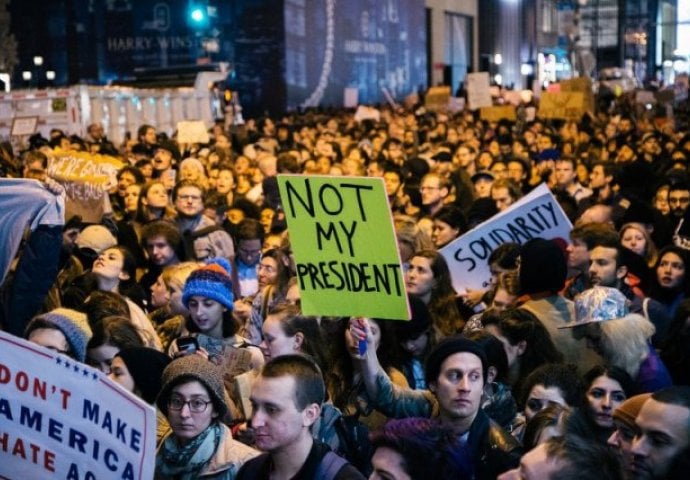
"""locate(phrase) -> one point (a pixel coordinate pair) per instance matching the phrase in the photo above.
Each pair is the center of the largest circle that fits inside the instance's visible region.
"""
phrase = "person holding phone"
(208, 296)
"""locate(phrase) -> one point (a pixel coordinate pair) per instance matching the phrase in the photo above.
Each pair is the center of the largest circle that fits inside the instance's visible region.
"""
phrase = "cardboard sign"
(582, 85)
(537, 214)
(346, 253)
(478, 90)
(63, 419)
(437, 98)
(23, 126)
(494, 114)
(192, 132)
(87, 179)
(565, 105)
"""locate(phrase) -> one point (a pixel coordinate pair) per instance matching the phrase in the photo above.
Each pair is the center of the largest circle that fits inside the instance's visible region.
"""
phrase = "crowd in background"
(573, 363)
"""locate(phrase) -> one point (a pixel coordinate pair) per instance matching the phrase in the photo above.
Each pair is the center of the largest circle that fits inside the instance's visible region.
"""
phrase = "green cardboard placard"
(346, 254)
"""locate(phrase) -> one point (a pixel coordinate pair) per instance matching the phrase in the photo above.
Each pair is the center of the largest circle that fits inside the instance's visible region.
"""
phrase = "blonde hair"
(408, 232)
(625, 341)
(176, 275)
(651, 254)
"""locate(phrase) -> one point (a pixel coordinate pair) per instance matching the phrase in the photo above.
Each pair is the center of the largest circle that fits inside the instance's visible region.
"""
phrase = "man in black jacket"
(456, 370)
(286, 402)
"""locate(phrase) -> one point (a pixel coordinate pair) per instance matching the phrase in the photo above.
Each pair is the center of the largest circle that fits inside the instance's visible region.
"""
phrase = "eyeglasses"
(196, 405)
(267, 268)
(194, 198)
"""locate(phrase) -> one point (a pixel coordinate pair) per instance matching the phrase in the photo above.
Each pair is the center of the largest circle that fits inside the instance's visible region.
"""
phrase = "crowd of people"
(573, 363)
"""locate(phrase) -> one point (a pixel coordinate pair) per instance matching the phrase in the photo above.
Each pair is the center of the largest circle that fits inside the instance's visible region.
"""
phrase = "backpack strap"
(330, 465)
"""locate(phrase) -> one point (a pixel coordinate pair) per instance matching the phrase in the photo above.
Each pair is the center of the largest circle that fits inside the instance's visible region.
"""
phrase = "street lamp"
(38, 60)
(50, 75)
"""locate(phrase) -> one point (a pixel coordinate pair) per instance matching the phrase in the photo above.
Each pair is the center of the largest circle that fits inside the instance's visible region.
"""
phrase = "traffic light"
(198, 14)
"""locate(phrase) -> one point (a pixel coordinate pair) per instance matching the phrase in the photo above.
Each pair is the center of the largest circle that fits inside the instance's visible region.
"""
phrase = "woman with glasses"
(199, 445)
(274, 275)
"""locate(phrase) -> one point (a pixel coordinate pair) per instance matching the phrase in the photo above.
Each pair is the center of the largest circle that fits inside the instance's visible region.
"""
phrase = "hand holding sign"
(535, 215)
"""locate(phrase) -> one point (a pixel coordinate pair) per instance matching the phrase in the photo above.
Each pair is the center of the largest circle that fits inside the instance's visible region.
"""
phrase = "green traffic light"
(197, 15)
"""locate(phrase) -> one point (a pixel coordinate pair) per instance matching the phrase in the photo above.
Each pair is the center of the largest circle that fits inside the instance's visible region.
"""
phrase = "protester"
(62, 330)
(286, 400)
(200, 445)
(622, 338)
(418, 448)
(139, 370)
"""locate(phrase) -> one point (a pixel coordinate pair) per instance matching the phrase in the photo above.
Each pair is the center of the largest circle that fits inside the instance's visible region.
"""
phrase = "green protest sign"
(345, 249)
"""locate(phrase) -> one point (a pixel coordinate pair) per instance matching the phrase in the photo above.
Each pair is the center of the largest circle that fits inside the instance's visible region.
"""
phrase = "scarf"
(186, 461)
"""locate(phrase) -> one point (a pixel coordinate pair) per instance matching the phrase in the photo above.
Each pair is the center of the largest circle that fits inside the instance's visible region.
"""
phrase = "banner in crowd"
(346, 254)
(63, 419)
(87, 179)
(537, 214)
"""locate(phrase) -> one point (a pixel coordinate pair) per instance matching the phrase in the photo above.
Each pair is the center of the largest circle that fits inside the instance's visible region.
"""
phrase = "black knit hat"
(543, 267)
(448, 347)
(171, 147)
(193, 368)
(146, 367)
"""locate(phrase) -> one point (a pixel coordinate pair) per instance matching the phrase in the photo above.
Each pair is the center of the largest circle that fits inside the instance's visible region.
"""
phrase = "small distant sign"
(350, 97)
(565, 105)
(24, 126)
(437, 98)
(478, 90)
(192, 132)
(497, 113)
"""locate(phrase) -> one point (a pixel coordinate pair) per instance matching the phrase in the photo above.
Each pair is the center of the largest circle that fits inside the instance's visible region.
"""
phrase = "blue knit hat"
(211, 281)
(74, 326)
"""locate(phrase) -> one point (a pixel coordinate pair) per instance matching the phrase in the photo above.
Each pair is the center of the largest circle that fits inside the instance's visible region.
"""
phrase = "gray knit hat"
(73, 324)
(190, 368)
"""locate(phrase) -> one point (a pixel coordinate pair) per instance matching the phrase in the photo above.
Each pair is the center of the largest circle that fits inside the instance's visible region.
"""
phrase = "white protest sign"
(63, 419)
(23, 126)
(478, 90)
(367, 113)
(192, 132)
(537, 214)
(350, 97)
